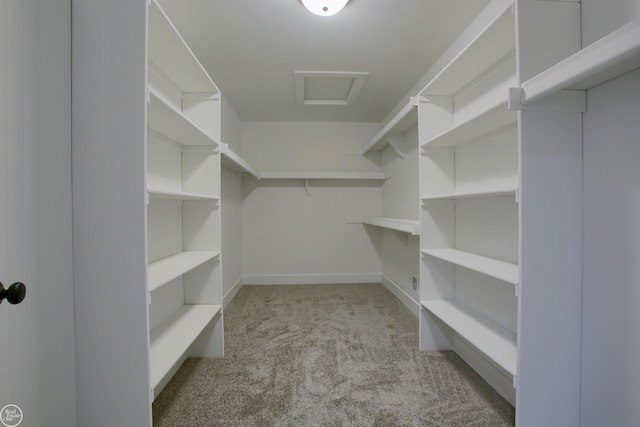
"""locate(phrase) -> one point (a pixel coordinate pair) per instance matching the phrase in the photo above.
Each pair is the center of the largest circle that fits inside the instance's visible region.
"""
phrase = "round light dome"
(324, 7)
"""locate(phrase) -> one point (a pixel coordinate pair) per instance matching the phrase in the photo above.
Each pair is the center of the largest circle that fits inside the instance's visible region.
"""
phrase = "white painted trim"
(310, 279)
(409, 301)
(231, 294)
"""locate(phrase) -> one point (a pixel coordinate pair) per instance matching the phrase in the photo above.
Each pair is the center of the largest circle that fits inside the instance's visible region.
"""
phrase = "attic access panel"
(328, 87)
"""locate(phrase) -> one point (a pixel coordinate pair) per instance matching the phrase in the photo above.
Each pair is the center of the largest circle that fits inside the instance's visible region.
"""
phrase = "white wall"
(611, 279)
(292, 237)
(400, 252)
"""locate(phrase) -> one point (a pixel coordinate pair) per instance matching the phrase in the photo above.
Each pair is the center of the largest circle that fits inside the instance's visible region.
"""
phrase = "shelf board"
(495, 342)
(233, 161)
(493, 119)
(502, 270)
(492, 43)
(165, 119)
(179, 195)
(173, 337)
(325, 175)
(613, 55)
(406, 118)
(399, 224)
(470, 194)
(171, 54)
(164, 270)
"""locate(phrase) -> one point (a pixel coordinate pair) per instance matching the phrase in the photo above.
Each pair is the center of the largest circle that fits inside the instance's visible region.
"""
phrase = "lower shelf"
(164, 270)
(495, 342)
(173, 337)
(502, 270)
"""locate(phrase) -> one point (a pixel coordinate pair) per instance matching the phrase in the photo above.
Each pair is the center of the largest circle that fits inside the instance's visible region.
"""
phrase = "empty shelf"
(170, 53)
(324, 175)
(233, 161)
(611, 56)
(173, 337)
(469, 194)
(495, 342)
(502, 270)
(179, 195)
(166, 269)
(496, 40)
(405, 225)
(170, 122)
(494, 118)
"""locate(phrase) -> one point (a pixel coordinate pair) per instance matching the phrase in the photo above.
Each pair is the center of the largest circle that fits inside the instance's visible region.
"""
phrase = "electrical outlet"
(414, 284)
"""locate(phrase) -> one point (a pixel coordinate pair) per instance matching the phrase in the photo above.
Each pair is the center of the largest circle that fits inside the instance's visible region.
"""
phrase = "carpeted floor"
(326, 355)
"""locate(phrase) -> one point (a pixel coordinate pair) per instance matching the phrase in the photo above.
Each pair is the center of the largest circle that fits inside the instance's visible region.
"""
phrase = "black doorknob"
(14, 294)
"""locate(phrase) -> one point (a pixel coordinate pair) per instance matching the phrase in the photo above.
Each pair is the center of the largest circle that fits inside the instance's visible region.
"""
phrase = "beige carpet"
(326, 355)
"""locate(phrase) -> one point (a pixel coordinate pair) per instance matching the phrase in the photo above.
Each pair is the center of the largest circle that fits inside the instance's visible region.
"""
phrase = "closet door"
(37, 372)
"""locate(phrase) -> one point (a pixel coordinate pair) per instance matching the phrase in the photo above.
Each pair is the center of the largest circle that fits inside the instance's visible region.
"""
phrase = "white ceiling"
(251, 49)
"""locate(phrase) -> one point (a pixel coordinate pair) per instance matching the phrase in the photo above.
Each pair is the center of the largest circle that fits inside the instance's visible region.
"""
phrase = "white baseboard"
(231, 294)
(310, 279)
(408, 300)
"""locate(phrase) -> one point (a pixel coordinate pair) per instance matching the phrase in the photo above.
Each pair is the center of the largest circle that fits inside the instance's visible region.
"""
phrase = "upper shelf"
(495, 40)
(405, 119)
(170, 53)
(399, 224)
(233, 161)
(325, 175)
(168, 121)
(611, 56)
(489, 192)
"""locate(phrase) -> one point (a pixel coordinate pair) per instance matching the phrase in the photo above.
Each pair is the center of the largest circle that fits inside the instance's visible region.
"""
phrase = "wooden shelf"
(325, 175)
(233, 161)
(166, 269)
(495, 342)
(405, 119)
(165, 119)
(493, 42)
(173, 337)
(405, 225)
(611, 56)
(502, 270)
(471, 194)
(179, 195)
(170, 54)
(493, 119)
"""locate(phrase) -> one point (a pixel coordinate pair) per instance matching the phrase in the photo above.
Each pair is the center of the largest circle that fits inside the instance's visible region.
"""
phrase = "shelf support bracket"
(562, 101)
(307, 186)
(395, 142)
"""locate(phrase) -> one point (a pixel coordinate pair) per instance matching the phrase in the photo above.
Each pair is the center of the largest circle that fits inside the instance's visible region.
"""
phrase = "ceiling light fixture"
(324, 7)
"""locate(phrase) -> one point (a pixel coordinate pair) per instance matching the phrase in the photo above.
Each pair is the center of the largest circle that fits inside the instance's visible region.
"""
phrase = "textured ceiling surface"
(251, 49)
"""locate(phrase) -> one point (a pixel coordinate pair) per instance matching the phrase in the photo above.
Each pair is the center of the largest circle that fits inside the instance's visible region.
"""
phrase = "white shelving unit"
(406, 118)
(399, 224)
(184, 277)
(235, 162)
(469, 180)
